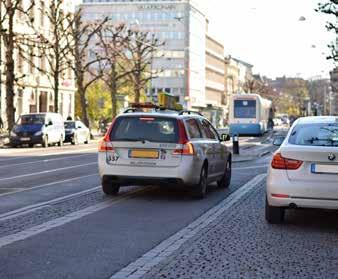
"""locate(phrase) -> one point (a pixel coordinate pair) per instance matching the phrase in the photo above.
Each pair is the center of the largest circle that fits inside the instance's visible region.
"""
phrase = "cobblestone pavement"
(240, 244)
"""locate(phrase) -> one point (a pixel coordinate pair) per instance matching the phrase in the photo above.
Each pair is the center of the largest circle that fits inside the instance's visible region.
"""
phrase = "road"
(56, 223)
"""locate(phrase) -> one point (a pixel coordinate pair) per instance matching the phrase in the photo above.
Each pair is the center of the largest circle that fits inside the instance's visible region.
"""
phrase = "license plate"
(25, 139)
(324, 169)
(144, 154)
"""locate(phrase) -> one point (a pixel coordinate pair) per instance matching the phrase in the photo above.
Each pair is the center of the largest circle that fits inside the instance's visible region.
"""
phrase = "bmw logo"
(332, 157)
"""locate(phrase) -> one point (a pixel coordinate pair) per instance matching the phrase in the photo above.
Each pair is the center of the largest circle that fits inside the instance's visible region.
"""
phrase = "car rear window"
(325, 134)
(153, 129)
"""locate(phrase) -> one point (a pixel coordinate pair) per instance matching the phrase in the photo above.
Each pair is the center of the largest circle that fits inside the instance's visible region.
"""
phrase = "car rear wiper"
(132, 140)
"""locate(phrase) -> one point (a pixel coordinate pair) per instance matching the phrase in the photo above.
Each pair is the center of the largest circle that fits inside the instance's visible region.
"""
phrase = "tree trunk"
(56, 88)
(83, 102)
(113, 89)
(10, 75)
(137, 87)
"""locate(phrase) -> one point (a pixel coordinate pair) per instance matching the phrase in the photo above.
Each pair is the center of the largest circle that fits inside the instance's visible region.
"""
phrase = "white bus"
(249, 114)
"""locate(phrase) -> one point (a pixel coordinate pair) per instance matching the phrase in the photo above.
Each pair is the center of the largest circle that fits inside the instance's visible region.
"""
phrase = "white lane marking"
(46, 185)
(9, 239)
(46, 161)
(252, 168)
(45, 155)
(47, 171)
(34, 207)
(165, 249)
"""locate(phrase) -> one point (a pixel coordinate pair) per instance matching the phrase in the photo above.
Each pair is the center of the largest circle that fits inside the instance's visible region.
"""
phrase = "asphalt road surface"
(56, 223)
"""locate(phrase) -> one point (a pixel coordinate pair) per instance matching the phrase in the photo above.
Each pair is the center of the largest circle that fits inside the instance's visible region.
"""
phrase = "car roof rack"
(190, 112)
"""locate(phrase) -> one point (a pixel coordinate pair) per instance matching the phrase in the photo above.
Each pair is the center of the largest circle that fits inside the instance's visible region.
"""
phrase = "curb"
(168, 247)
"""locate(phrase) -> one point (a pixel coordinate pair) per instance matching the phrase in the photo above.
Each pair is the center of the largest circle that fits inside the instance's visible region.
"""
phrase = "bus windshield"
(245, 108)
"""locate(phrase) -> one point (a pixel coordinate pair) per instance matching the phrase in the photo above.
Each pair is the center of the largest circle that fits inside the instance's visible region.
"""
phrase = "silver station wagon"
(163, 148)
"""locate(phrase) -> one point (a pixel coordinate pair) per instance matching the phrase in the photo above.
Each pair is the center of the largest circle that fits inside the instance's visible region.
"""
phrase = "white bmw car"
(304, 171)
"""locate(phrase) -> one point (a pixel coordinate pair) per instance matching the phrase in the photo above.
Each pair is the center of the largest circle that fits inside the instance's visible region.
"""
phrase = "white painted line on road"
(34, 207)
(46, 185)
(47, 171)
(46, 161)
(46, 154)
(10, 239)
(252, 168)
(165, 249)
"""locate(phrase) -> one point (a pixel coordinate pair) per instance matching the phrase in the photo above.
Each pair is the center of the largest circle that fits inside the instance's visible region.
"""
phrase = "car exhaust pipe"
(293, 206)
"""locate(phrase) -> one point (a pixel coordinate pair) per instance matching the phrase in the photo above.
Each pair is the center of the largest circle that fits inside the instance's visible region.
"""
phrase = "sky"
(269, 35)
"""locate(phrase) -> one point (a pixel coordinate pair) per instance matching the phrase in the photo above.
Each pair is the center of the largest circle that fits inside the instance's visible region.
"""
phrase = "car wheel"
(87, 140)
(200, 190)
(110, 188)
(31, 145)
(226, 179)
(75, 140)
(45, 142)
(13, 145)
(274, 215)
(60, 143)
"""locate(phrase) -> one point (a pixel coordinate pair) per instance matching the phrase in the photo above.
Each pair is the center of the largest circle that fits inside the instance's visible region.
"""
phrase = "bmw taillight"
(281, 163)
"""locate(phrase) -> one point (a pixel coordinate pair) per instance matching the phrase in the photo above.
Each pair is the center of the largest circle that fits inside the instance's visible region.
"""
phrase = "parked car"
(38, 128)
(304, 171)
(163, 148)
(76, 132)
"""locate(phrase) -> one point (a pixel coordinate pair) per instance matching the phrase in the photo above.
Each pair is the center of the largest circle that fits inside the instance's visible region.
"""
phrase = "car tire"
(12, 145)
(226, 179)
(75, 140)
(87, 140)
(31, 145)
(45, 143)
(274, 215)
(60, 143)
(110, 188)
(200, 190)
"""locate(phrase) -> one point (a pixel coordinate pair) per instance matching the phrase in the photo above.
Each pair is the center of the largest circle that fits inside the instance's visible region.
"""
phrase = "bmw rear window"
(147, 128)
(321, 134)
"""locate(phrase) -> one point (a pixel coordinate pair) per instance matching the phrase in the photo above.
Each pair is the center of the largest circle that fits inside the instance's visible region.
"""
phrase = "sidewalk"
(233, 240)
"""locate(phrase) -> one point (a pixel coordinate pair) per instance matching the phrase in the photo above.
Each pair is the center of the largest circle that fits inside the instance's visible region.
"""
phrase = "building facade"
(181, 24)
(33, 91)
(215, 76)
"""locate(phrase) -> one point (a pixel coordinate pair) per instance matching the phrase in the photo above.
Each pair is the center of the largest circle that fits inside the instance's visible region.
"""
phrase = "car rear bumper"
(187, 172)
(32, 140)
(302, 194)
(144, 181)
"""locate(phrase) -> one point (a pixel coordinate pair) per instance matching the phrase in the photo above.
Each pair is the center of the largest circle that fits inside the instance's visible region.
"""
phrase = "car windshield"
(153, 129)
(315, 135)
(245, 109)
(34, 119)
(70, 125)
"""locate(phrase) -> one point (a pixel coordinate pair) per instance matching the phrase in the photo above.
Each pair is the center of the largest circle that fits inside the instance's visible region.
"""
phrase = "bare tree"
(114, 41)
(55, 46)
(85, 67)
(140, 54)
(330, 7)
(11, 10)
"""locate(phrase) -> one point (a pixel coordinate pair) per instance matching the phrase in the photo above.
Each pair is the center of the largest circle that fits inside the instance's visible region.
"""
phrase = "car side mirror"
(278, 141)
(225, 137)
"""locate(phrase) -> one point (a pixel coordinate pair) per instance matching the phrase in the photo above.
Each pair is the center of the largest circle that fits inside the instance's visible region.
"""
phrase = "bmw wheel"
(274, 215)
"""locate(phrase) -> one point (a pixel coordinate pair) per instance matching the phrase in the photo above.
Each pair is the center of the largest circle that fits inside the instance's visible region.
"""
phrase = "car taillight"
(281, 163)
(105, 144)
(188, 149)
(183, 137)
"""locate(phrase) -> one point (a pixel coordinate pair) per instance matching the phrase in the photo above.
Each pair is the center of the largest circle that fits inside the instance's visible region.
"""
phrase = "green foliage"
(99, 103)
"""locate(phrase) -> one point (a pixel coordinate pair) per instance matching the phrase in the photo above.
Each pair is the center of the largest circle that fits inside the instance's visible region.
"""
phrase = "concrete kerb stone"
(173, 244)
